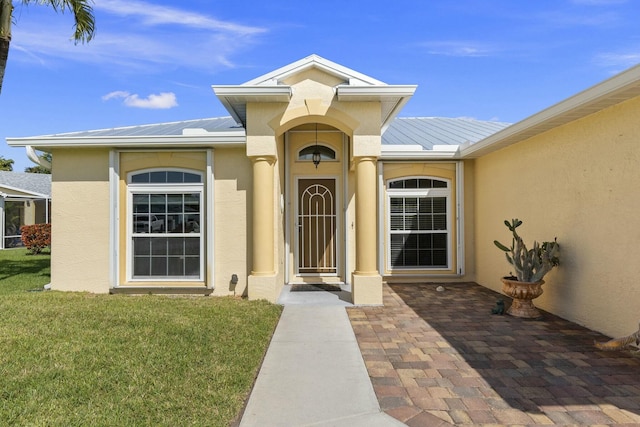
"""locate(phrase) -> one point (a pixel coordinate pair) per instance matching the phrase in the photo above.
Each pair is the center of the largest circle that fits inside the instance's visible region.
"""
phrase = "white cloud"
(152, 14)
(163, 100)
(618, 61)
(458, 48)
(115, 94)
(136, 36)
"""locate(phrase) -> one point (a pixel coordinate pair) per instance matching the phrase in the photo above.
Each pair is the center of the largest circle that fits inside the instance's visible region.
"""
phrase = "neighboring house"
(25, 198)
(238, 205)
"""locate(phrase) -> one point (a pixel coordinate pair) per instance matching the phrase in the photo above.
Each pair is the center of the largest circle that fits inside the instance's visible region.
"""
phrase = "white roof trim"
(404, 148)
(374, 93)
(190, 140)
(357, 87)
(235, 97)
(417, 152)
(26, 194)
(318, 62)
(280, 93)
(619, 88)
(418, 155)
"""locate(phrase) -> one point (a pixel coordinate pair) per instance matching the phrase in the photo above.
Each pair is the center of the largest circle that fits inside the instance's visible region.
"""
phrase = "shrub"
(36, 237)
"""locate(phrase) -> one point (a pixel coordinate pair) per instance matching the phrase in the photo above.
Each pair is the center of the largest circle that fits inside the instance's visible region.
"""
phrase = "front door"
(316, 223)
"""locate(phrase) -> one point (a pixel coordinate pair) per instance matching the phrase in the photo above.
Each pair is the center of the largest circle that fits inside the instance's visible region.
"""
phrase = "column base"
(263, 287)
(366, 290)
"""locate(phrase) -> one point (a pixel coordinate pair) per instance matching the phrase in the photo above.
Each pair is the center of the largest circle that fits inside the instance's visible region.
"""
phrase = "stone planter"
(522, 294)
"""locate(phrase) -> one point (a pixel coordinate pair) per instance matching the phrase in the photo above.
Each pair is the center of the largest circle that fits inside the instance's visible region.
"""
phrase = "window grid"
(418, 223)
(165, 229)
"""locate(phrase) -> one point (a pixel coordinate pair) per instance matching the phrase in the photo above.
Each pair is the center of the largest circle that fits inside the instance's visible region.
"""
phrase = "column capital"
(360, 159)
(263, 158)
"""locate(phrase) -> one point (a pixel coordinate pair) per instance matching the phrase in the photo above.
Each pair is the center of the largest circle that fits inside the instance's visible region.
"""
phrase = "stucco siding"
(578, 182)
(232, 216)
(80, 221)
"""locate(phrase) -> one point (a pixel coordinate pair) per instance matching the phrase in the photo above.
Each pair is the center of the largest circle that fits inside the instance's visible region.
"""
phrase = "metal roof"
(216, 124)
(35, 183)
(430, 131)
(424, 131)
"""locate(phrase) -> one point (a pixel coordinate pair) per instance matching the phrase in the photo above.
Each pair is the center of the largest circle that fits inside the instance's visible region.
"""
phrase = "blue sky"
(155, 61)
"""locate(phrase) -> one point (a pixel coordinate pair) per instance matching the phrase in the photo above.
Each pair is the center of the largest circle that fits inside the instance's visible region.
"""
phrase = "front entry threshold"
(313, 294)
(178, 290)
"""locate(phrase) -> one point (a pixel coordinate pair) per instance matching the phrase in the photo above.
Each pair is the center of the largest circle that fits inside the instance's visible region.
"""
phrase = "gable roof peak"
(314, 61)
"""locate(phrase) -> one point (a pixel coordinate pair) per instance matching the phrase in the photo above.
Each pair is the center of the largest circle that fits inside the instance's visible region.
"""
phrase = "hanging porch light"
(316, 152)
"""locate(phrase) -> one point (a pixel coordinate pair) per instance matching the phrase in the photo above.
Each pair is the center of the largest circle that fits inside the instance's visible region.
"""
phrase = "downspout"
(33, 156)
(3, 196)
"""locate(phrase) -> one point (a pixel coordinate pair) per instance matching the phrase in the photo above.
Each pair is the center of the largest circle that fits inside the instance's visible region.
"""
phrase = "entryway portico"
(314, 223)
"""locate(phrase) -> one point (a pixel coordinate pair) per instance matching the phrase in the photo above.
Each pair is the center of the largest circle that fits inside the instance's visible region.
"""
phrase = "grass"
(102, 360)
(20, 271)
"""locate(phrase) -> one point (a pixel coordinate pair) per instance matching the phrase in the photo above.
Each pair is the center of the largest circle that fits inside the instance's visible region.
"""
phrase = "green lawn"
(22, 272)
(83, 359)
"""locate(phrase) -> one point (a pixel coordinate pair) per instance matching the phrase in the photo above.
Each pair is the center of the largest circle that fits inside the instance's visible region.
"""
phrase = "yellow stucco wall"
(232, 217)
(578, 182)
(80, 262)
(80, 220)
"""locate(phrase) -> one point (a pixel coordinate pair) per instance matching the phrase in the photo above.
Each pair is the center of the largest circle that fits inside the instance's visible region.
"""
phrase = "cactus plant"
(530, 264)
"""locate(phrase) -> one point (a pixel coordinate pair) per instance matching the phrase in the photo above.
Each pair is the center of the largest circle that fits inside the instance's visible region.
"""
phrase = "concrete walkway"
(313, 373)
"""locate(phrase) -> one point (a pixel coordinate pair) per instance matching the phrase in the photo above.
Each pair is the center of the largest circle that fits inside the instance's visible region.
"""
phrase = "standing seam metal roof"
(215, 124)
(424, 131)
(430, 131)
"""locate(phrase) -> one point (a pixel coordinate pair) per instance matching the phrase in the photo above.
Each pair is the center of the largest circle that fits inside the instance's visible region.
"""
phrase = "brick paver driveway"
(441, 358)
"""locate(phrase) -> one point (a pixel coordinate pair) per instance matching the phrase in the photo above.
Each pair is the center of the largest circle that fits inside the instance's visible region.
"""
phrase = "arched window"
(165, 177)
(419, 223)
(164, 221)
(326, 153)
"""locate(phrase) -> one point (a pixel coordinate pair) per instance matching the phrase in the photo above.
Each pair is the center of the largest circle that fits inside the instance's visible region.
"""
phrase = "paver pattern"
(441, 358)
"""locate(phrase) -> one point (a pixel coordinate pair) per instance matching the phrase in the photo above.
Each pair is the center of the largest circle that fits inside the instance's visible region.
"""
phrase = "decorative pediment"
(347, 86)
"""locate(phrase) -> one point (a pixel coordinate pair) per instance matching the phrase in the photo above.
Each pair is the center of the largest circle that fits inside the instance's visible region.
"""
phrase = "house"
(25, 198)
(315, 178)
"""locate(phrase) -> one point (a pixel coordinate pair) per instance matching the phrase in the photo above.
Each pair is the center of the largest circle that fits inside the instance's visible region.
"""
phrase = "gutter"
(189, 139)
(417, 152)
(33, 156)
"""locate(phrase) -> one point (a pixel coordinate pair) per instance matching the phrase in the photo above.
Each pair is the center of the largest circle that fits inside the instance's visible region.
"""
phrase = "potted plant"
(530, 266)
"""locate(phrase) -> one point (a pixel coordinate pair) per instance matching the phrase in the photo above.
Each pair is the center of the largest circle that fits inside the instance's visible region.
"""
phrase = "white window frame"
(165, 188)
(419, 193)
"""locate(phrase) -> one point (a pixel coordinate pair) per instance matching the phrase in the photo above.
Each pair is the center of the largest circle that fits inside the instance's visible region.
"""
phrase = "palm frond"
(82, 14)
